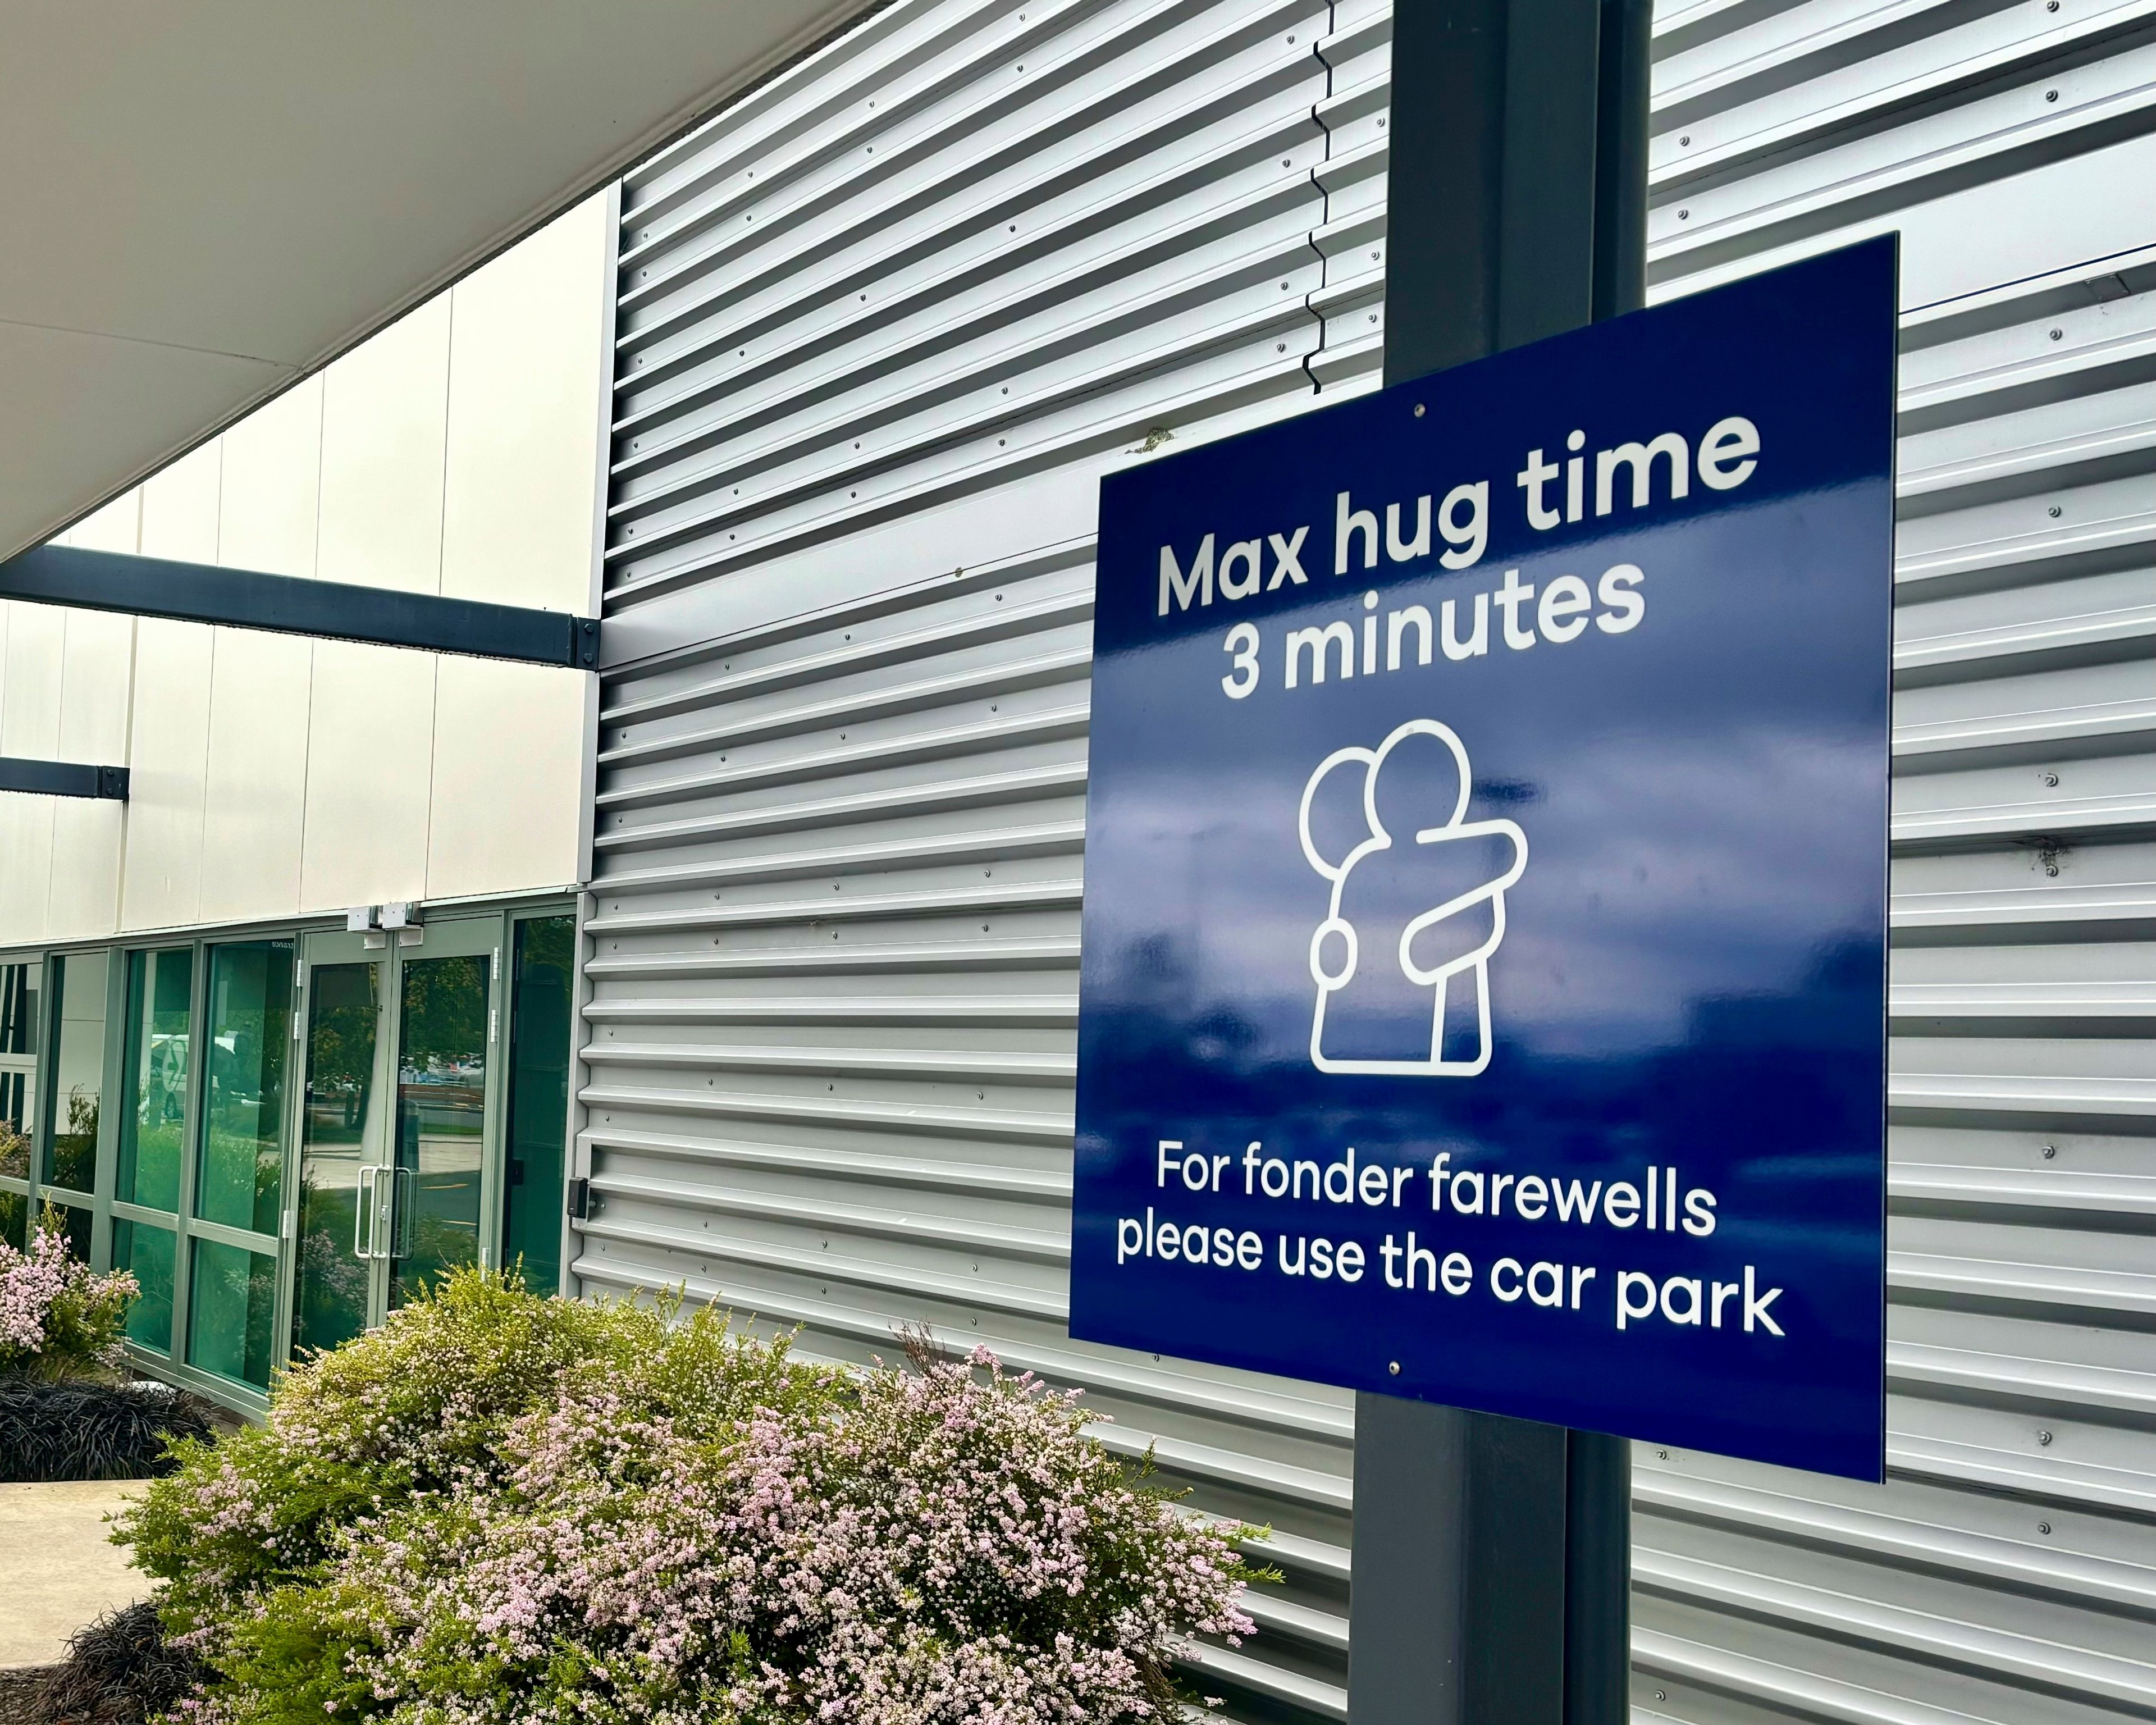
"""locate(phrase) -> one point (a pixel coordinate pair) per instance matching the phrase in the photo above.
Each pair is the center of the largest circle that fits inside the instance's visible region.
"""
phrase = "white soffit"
(203, 200)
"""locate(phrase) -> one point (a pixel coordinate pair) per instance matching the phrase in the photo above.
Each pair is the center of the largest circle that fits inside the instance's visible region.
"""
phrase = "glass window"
(15, 1105)
(232, 1303)
(74, 1224)
(19, 1009)
(147, 1250)
(250, 1016)
(152, 1129)
(14, 1153)
(15, 1220)
(78, 1072)
(538, 1101)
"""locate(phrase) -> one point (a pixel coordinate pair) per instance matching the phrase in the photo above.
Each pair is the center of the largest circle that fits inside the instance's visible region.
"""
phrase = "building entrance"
(400, 1147)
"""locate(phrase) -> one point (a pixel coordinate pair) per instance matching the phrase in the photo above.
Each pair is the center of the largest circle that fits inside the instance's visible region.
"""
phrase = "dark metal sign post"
(1492, 1556)
(1503, 1034)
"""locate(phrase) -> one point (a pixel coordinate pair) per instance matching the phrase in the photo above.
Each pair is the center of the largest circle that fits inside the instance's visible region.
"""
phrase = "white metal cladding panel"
(839, 856)
(835, 932)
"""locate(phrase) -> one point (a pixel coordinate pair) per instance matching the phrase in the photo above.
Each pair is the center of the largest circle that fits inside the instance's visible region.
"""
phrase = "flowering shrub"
(57, 1318)
(502, 1508)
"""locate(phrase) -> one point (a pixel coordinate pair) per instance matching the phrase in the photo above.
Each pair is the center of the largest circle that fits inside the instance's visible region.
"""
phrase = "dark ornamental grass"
(83, 1430)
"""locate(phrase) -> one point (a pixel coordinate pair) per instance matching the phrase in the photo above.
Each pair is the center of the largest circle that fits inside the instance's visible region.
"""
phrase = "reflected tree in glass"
(232, 1300)
(441, 1116)
(159, 1040)
(330, 1296)
(251, 1006)
(78, 1071)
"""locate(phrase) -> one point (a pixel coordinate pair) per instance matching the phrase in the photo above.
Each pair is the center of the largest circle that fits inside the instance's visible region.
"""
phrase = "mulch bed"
(22, 1694)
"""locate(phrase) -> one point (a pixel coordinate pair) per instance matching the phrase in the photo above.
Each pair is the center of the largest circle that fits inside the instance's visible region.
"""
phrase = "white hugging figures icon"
(1402, 958)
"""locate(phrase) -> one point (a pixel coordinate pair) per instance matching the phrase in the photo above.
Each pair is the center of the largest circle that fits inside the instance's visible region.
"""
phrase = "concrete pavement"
(58, 1570)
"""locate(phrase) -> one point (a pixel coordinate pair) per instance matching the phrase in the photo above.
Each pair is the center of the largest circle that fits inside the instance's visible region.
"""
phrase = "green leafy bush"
(57, 1318)
(504, 1508)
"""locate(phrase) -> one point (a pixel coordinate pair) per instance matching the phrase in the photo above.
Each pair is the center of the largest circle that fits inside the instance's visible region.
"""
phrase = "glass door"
(398, 1150)
(343, 1141)
(447, 1026)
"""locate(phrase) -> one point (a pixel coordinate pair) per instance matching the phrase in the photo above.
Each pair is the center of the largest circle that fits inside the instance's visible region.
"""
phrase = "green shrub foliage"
(503, 1508)
(57, 1318)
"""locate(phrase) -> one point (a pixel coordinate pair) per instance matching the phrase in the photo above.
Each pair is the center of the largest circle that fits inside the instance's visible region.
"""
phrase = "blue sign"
(1484, 985)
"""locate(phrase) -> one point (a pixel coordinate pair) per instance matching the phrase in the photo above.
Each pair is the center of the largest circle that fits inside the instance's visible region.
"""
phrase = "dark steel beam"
(63, 778)
(284, 604)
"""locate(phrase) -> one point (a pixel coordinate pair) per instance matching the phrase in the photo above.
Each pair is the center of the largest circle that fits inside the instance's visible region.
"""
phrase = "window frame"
(102, 1203)
(29, 1065)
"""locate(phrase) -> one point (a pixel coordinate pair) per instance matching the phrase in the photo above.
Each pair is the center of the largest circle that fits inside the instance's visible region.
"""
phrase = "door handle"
(367, 1226)
(378, 1207)
(404, 1191)
(362, 1218)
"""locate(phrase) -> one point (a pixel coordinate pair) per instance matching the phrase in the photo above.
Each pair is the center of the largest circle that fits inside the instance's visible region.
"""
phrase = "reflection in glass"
(250, 1012)
(15, 1220)
(538, 1101)
(14, 1143)
(441, 1113)
(232, 1303)
(19, 1009)
(74, 1226)
(338, 1123)
(147, 1250)
(78, 1071)
(152, 1128)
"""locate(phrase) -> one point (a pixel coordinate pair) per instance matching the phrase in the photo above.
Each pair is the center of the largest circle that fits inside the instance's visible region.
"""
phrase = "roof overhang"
(202, 201)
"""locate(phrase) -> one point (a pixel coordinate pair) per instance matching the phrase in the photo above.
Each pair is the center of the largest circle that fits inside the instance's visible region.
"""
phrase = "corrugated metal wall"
(883, 324)
(944, 274)
(2007, 1572)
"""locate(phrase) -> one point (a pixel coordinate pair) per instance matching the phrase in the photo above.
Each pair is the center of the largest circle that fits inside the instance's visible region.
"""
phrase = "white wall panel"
(255, 801)
(179, 509)
(30, 726)
(385, 417)
(269, 508)
(168, 760)
(261, 787)
(117, 527)
(96, 686)
(370, 763)
(528, 351)
(509, 746)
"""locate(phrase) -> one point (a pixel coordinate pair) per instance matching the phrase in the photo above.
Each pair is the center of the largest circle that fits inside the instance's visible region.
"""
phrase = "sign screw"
(2051, 779)
(2055, 511)
(2043, 1527)
(1393, 1367)
(2043, 1437)
(2050, 1151)
(1419, 410)
(2051, 96)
